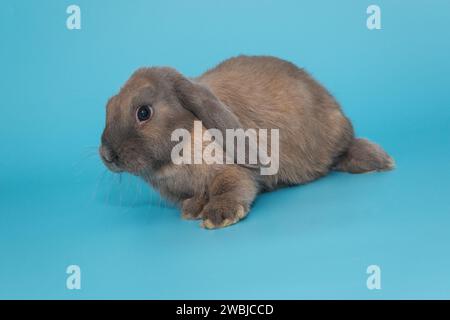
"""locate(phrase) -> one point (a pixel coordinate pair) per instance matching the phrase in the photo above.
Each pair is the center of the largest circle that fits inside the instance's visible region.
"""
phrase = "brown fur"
(242, 92)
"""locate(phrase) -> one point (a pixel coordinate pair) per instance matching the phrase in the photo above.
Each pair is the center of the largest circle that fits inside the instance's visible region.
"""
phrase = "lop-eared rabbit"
(244, 92)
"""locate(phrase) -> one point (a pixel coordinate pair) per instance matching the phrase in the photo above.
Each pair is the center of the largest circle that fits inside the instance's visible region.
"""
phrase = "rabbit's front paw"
(192, 208)
(220, 214)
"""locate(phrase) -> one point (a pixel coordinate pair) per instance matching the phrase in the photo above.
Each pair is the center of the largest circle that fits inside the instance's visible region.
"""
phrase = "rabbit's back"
(267, 92)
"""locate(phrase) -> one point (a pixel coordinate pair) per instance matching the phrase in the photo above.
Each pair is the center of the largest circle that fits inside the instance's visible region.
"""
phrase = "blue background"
(59, 206)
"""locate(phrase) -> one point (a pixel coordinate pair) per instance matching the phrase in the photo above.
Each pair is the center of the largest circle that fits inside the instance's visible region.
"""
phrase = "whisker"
(99, 179)
(78, 166)
(110, 189)
(119, 179)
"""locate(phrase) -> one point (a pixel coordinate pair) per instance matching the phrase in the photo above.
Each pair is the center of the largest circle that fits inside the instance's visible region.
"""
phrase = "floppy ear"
(213, 113)
(205, 105)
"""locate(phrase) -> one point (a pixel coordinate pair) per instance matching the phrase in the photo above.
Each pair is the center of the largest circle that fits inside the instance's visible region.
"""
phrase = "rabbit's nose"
(107, 154)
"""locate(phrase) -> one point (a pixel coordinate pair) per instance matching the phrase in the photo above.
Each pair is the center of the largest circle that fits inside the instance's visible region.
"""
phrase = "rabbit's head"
(142, 116)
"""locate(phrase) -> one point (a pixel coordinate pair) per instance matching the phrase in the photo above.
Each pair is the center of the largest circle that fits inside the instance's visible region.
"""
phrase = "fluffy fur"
(242, 92)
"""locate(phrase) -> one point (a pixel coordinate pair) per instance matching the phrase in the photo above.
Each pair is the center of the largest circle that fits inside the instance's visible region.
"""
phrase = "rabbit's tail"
(364, 156)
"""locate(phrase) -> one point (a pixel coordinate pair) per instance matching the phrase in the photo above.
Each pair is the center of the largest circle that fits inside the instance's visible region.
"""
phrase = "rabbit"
(315, 137)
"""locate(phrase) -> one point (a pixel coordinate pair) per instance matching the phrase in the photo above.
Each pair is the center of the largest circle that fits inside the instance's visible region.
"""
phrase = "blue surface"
(58, 206)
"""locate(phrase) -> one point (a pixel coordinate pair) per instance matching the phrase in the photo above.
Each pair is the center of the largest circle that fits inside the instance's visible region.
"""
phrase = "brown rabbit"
(243, 92)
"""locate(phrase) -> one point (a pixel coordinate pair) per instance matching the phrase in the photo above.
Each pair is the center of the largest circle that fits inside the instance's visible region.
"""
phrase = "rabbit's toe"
(192, 208)
(219, 215)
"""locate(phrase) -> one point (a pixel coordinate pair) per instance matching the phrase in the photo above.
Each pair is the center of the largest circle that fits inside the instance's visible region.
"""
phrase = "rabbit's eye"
(144, 113)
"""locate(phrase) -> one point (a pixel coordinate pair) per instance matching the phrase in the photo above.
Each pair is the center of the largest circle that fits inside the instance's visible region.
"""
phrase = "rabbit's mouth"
(110, 159)
(113, 167)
